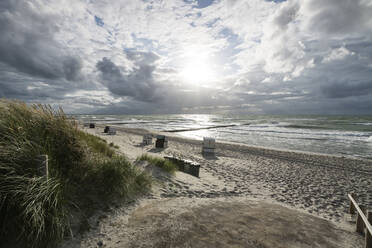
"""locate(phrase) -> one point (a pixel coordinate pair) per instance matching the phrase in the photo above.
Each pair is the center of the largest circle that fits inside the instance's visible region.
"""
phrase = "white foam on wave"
(369, 139)
(364, 123)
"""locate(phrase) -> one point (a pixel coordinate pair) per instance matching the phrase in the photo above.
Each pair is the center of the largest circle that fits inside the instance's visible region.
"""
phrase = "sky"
(188, 56)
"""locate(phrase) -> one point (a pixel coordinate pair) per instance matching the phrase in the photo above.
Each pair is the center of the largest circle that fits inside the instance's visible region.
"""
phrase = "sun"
(197, 69)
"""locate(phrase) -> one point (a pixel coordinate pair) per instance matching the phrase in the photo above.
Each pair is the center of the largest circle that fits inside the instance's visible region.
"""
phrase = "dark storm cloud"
(17, 85)
(347, 89)
(27, 42)
(139, 83)
(362, 47)
(286, 15)
(340, 17)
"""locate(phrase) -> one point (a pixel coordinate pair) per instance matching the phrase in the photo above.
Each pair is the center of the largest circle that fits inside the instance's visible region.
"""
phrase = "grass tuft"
(162, 163)
(97, 144)
(116, 177)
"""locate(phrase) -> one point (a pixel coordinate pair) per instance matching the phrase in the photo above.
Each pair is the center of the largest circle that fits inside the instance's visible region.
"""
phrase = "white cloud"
(338, 54)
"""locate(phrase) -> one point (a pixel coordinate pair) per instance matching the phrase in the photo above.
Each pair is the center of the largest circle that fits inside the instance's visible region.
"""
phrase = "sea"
(349, 136)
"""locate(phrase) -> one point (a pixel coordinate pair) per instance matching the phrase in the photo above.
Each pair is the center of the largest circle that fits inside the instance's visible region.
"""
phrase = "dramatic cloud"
(347, 89)
(27, 42)
(339, 17)
(131, 56)
(138, 83)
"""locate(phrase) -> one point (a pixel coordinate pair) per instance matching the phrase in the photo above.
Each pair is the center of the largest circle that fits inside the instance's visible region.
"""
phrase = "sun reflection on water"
(200, 121)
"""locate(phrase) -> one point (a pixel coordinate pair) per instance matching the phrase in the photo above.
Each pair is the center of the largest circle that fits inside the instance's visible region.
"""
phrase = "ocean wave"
(305, 126)
(309, 133)
(363, 123)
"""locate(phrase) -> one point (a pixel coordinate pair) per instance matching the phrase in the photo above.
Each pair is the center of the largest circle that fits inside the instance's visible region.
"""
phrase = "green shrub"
(166, 165)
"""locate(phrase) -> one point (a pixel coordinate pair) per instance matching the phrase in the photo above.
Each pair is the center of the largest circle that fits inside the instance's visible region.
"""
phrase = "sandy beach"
(280, 191)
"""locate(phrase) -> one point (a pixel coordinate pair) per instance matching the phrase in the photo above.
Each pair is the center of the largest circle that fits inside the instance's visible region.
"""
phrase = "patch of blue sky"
(149, 4)
(213, 22)
(229, 52)
(189, 1)
(145, 44)
(197, 14)
(231, 37)
(204, 3)
(200, 3)
(110, 40)
(99, 21)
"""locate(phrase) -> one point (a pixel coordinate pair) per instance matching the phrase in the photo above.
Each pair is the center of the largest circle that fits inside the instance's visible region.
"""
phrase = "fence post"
(368, 235)
(352, 208)
(359, 222)
(43, 169)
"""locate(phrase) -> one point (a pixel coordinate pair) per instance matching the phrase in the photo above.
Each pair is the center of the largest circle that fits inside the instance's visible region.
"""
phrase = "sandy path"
(242, 222)
(311, 183)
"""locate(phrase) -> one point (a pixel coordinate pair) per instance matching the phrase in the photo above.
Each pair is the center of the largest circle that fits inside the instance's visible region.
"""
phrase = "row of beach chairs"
(108, 129)
(209, 144)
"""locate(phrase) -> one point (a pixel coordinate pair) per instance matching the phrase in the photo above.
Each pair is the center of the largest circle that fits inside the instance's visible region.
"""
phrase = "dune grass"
(162, 163)
(97, 144)
(83, 170)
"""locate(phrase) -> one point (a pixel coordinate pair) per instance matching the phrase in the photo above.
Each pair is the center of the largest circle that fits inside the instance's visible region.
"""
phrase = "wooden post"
(352, 208)
(359, 222)
(43, 169)
(46, 167)
(368, 234)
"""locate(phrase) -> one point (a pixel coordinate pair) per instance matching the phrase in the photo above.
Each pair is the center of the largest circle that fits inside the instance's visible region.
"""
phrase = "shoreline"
(341, 141)
(232, 145)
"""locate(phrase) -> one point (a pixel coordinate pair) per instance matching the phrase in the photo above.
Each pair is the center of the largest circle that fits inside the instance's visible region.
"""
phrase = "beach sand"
(245, 197)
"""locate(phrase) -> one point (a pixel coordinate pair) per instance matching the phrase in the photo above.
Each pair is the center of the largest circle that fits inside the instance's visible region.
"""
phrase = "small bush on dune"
(35, 211)
(166, 165)
(118, 177)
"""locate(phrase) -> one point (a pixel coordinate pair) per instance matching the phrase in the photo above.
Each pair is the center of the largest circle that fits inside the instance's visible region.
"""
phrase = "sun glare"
(197, 69)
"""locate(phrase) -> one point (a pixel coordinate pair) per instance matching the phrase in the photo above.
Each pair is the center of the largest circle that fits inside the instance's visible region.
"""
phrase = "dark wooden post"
(359, 222)
(352, 208)
(368, 234)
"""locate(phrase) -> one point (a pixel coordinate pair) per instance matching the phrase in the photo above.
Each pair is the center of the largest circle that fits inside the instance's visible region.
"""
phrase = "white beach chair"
(209, 145)
(147, 139)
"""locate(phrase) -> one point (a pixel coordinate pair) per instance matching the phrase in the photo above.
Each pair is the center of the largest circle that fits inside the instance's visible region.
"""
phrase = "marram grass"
(162, 163)
(83, 169)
